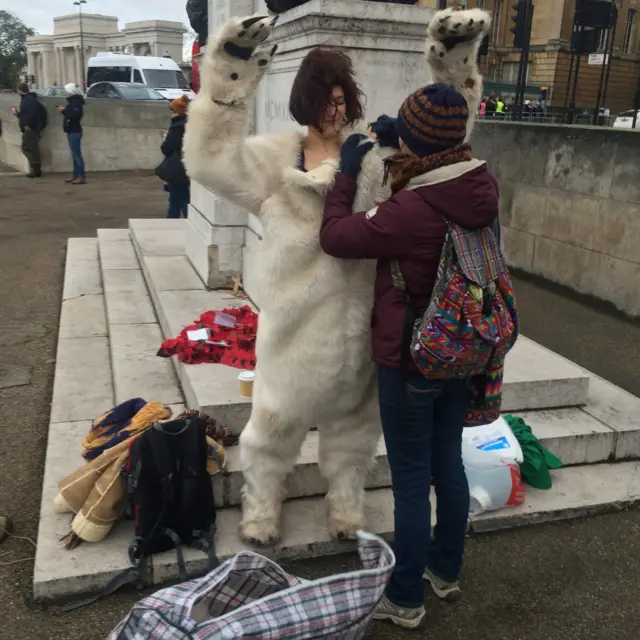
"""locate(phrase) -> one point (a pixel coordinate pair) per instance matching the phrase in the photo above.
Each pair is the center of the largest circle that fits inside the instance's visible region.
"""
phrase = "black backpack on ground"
(170, 490)
(170, 498)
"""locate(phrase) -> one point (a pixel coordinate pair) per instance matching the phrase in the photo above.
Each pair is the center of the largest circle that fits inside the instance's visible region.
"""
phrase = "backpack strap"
(162, 460)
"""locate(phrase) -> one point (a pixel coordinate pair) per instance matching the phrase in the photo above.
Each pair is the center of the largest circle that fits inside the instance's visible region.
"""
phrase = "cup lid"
(247, 376)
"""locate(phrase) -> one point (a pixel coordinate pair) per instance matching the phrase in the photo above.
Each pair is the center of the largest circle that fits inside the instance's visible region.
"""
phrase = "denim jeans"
(422, 422)
(178, 201)
(75, 144)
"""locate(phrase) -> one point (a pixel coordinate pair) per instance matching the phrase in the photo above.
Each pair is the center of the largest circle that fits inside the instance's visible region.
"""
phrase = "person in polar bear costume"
(313, 347)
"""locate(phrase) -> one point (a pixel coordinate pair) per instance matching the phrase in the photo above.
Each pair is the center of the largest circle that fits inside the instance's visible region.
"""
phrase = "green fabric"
(537, 458)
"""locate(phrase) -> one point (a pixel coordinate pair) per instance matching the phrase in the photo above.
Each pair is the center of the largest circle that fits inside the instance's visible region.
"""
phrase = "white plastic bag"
(491, 456)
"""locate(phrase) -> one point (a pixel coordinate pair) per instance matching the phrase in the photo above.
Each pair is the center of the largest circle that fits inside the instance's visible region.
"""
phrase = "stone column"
(215, 227)
(30, 63)
(78, 66)
(59, 79)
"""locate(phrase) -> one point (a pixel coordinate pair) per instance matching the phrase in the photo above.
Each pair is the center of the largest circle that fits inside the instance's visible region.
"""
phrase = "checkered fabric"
(250, 596)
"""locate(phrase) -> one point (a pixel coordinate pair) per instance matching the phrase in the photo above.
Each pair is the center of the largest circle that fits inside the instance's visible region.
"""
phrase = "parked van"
(162, 74)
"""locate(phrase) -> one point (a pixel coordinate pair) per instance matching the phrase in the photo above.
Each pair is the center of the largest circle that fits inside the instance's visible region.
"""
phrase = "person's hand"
(352, 154)
(60, 108)
(27, 127)
(15, 111)
(385, 131)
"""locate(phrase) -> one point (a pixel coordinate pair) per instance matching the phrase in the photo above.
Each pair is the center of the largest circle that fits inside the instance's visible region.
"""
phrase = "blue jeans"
(422, 422)
(75, 144)
(178, 201)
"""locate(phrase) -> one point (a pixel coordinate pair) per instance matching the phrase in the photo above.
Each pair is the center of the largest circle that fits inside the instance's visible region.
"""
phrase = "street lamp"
(79, 4)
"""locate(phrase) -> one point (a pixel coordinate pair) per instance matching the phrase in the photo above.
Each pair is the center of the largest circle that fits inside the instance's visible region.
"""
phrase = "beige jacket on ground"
(96, 493)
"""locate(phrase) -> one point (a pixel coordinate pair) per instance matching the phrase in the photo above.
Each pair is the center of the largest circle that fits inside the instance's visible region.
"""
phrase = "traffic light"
(519, 29)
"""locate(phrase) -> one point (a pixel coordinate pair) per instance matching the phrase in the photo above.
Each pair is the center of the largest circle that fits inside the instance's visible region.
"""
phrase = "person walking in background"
(72, 126)
(32, 119)
(172, 170)
(500, 108)
(435, 180)
(482, 108)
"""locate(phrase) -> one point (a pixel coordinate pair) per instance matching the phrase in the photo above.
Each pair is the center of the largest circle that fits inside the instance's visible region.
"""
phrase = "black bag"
(170, 490)
(172, 170)
(171, 498)
(198, 14)
(43, 116)
(280, 6)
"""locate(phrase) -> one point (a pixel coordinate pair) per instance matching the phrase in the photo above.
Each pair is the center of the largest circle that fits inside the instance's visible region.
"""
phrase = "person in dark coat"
(435, 179)
(71, 125)
(177, 182)
(29, 120)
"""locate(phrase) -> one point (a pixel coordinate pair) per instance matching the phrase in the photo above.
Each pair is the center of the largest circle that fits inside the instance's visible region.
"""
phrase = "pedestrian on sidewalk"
(434, 180)
(32, 119)
(71, 125)
(172, 170)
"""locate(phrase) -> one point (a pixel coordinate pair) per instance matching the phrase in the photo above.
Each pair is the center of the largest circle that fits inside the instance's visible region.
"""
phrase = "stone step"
(576, 492)
(534, 377)
(572, 434)
(134, 333)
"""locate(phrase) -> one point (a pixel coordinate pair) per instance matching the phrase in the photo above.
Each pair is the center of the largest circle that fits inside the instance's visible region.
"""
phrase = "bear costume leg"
(345, 456)
(269, 447)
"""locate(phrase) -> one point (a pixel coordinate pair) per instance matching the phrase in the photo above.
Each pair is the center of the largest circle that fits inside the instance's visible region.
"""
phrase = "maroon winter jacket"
(409, 227)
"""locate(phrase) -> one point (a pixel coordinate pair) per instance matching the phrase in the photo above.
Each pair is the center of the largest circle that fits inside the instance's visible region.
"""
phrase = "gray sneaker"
(405, 618)
(447, 591)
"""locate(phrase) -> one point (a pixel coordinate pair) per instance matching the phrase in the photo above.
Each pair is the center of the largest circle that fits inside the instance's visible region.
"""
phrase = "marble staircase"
(129, 289)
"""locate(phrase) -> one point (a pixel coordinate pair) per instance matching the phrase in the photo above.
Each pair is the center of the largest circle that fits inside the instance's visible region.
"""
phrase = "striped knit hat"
(433, 119)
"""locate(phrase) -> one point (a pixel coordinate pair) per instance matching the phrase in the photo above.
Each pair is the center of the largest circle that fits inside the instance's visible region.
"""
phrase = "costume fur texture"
(313, 346)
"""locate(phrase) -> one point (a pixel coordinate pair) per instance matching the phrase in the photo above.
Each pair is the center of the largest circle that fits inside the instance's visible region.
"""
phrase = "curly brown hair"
(320, 72)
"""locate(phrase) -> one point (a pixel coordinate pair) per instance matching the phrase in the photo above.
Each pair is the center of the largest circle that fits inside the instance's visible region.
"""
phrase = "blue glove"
(386, 133)
(353, 152)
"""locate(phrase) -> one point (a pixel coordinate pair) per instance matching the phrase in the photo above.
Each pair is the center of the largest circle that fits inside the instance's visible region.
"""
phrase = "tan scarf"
(404, 166)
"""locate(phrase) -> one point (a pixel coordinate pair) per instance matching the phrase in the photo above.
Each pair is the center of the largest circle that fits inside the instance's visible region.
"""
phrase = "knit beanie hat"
(179, 105)
(71, 89)
(433, 119)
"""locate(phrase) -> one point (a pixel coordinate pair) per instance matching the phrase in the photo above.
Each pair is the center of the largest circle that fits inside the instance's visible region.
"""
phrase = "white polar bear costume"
(313, 347)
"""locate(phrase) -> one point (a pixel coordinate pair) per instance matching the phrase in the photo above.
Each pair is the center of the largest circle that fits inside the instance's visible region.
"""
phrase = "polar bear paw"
(453, 38)
(458, 25)
(260, 533)
(235, 62)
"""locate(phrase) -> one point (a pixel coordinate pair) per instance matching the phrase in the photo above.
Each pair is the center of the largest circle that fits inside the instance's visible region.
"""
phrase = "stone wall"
(570, 204)
(117, 136)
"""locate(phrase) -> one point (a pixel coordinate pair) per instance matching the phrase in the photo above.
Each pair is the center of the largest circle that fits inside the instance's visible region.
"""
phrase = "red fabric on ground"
(242, 341)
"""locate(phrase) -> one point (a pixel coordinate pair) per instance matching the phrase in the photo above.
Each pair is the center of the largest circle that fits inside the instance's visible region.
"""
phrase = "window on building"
(497, 12)
(629, 30)
(602, 43)
(510, 72)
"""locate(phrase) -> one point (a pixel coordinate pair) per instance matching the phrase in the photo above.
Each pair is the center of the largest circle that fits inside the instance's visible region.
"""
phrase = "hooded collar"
(443, 174)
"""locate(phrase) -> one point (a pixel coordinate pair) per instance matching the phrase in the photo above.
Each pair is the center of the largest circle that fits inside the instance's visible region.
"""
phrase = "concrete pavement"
(573, 580)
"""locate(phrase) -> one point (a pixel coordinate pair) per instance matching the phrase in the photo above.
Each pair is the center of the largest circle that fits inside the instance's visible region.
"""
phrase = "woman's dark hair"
(320, 72)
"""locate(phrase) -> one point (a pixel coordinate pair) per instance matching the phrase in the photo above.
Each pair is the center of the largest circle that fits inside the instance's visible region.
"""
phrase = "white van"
(162, 74)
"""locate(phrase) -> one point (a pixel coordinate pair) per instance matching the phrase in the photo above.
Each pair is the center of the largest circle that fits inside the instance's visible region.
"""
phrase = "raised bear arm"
(216, 151)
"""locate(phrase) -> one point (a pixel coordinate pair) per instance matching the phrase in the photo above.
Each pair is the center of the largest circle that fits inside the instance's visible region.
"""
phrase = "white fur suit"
(313, 346)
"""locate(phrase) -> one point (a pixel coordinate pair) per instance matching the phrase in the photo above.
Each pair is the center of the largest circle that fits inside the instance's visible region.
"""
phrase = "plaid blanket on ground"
(250, 596)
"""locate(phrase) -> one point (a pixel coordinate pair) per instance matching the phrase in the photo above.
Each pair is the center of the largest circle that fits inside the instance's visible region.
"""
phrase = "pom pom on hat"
(180, 105)
(433, 119)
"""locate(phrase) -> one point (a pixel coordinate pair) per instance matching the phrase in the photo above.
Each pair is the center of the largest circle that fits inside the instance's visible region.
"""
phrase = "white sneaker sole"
(404, 623)
(447, 595)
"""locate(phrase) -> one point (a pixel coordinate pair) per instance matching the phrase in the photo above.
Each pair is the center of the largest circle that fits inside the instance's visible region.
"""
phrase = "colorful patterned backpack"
(471, 322)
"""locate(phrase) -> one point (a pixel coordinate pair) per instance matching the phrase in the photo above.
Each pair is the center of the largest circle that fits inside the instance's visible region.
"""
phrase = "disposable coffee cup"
(246, 379)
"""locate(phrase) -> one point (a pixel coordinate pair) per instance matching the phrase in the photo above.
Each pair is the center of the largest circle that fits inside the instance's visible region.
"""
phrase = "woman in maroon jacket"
(434, 179)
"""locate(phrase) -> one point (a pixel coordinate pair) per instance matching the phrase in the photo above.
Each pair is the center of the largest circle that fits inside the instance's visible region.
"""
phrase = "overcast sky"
(39, 14)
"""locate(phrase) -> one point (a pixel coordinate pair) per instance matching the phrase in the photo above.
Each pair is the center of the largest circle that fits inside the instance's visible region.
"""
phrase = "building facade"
(550, 58)
(60, 58)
